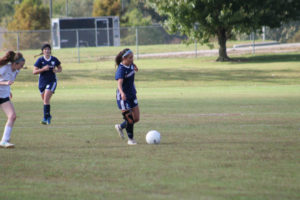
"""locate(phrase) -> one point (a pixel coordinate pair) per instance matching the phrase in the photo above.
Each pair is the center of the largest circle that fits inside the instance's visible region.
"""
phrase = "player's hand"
(46, 68)
(123, 96)
(9, 82)
(135, 67)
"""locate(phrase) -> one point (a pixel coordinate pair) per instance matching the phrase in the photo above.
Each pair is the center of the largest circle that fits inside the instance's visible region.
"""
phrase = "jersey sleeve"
(57, 62)
(120, 73)
(38, 63)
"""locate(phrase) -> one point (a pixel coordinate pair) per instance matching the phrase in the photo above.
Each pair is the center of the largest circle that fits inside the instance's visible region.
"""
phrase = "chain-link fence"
(83, 45)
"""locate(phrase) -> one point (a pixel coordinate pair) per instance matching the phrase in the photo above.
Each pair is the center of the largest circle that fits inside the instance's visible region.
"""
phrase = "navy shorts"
(128, 104)
(50, 86)
(3, 100)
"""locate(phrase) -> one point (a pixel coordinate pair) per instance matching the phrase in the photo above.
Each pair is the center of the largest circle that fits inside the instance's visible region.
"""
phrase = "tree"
(204, 19)
(285, 33)
(138, 18)
(29, 15)
(107, 8)
(79, 8)
(6, 8)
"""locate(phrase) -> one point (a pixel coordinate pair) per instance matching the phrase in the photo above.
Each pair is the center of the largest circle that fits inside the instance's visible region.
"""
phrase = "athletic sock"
(129, 130)
(6, 134)
(46, 111)
(123, 125)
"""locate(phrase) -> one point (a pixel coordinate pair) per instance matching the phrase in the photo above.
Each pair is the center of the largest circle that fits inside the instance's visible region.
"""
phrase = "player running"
(126, 94)
(47, 66)
(10, 65)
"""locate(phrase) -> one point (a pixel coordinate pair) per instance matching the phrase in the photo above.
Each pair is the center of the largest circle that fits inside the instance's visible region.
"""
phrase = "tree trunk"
(222, 46)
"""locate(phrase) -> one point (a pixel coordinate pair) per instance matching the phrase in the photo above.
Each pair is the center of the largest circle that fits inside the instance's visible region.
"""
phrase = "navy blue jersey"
(127, 74)
(47, 76)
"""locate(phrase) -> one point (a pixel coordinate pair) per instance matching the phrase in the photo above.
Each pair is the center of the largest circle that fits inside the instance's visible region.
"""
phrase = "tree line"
(198, 20)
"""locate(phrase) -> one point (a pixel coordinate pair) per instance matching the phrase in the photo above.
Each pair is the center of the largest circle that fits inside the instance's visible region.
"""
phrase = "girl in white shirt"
(10, 65)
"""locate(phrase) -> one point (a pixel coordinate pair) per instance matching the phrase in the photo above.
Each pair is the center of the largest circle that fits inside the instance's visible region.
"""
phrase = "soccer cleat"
(131, 142)
(119, 130)
(49, 119)
(6, 145)
(44, 121)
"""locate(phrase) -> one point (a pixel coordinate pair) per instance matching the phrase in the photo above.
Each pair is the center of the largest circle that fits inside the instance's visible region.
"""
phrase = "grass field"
(96, 54)
(229, 131)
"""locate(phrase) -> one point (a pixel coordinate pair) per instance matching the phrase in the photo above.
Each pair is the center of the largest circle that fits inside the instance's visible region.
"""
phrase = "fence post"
(78, 51)
(18, 41)
(264, 33)
(196, 53)
(137, 42)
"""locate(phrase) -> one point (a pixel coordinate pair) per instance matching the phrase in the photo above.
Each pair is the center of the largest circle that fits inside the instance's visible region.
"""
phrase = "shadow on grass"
(205, 74)
(202, 75)
(268, 58)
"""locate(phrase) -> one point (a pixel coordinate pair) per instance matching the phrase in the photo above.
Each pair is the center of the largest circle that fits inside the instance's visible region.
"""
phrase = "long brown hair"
(11, 57)
(119, 57)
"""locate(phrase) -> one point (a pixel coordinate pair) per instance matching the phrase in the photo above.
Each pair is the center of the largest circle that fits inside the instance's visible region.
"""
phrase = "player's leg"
(136, 114)
(47, 97)
(130, 125)
(49, 91)
(42, 91)
(132, 116)
(122, 106)
(9, 111)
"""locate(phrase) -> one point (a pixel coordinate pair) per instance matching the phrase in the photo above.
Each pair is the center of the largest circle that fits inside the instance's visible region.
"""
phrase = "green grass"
(99, 54)
(229, 131)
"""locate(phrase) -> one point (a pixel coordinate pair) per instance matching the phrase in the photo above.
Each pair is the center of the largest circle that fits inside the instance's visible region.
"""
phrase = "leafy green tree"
(137, 14)
(29, 15)
(6, 8)
(59, 8)
(79, 8)
(107, 8)
(296, 37)
(284, 33)
(204, 19)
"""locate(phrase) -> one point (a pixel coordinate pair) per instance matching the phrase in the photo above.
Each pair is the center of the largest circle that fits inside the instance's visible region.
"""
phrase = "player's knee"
(128, 117)
(136, 119)
(12, 117)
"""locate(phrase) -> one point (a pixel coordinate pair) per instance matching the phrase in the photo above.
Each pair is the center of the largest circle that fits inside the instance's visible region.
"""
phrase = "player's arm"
(120, 83)
(37, 70)
(57, 69)
(135, 67)
(6, 82)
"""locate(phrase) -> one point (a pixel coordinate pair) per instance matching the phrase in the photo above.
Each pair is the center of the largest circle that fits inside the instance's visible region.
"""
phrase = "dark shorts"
(128, 104)
(3, 100)
(50, 86)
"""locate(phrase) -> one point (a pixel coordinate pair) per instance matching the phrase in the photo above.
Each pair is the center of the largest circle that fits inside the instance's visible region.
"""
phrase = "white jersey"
(6, 74)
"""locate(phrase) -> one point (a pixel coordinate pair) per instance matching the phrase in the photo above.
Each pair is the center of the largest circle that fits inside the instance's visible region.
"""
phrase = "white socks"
(6, 134)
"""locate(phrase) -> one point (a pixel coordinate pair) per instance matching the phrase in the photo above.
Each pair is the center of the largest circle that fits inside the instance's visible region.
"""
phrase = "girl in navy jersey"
(10, 66)
(47, 66)
(126, 94)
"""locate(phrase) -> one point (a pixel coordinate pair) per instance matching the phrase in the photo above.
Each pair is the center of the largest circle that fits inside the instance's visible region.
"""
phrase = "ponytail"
(38, 55)
(11, 57)
(121, 55)
(8, 57)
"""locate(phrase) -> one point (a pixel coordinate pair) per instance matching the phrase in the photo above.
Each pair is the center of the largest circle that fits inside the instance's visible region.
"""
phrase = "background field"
(96, 54)
(229, 131)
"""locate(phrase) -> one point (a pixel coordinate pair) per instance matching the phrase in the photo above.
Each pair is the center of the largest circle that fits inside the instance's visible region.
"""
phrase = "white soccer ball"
(153, 137)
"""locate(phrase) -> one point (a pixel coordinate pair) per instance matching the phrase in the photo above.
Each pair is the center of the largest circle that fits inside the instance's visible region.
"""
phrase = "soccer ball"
(153, 137)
